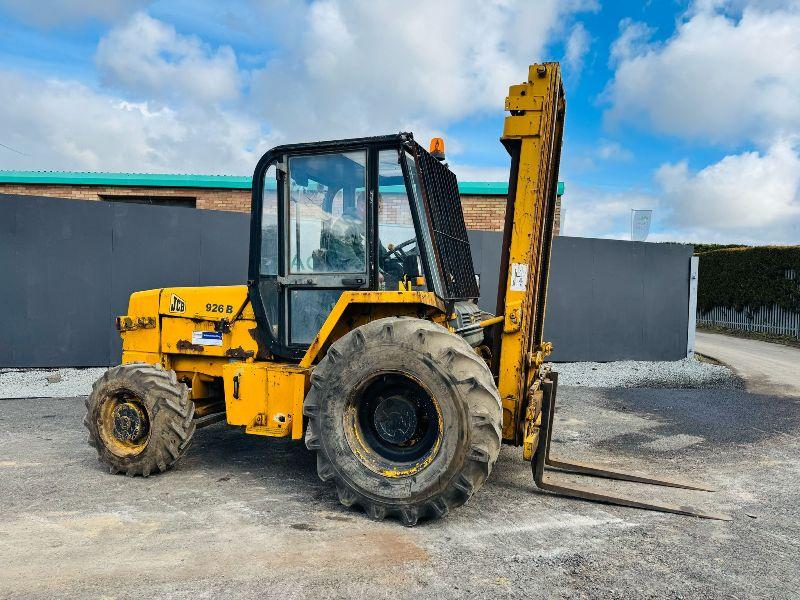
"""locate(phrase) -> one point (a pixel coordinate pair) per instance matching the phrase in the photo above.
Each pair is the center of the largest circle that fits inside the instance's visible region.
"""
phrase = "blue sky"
(690, 108)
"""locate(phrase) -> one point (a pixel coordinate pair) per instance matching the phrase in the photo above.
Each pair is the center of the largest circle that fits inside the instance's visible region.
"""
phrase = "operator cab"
(377, 213)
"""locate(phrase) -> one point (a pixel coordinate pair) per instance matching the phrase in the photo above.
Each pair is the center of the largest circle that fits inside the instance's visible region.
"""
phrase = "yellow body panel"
(368, 306)
(142, 305)
(262, 394)
(209, 303)
(177, 337)
(266, 397)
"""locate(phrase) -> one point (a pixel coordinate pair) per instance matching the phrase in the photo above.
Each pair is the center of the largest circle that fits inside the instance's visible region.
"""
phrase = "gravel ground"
(686, 373)
(47, 383)
(246, 517)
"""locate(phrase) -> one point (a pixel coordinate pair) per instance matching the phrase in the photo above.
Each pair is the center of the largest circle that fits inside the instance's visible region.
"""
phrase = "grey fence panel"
(486, 246)
(666, 279)
(607, 299)
(153, 247)
(56, 266)
(12, 294)
(67, 268)
(617, 300)
(765, 319)
(224, 244)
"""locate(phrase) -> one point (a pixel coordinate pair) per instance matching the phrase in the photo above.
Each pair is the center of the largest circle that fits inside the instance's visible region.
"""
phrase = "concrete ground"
(242, 516)
(767, 368)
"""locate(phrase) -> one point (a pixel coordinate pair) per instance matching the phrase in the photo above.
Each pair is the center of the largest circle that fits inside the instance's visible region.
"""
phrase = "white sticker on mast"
(519, 277)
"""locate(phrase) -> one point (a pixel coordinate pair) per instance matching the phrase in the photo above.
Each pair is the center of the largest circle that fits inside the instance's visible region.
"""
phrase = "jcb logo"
(176, 304)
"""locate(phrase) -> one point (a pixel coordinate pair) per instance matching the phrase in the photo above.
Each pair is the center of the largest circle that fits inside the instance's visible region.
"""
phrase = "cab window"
(327, 213)
(398, 251)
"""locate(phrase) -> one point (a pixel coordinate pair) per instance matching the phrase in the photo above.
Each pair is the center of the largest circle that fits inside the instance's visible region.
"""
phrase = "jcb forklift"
(358, 328)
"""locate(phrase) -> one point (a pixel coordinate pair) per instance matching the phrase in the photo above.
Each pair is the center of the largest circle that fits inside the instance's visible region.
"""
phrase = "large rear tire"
(140, 419)
(405, 418)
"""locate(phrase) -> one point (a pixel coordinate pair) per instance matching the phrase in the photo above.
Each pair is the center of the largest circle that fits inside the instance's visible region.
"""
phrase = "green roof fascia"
(492, 188)
(239, 182)
(483, 188)
(131, 179)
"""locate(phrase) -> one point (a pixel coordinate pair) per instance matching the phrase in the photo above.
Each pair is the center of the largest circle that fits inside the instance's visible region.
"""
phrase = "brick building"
(483, 202)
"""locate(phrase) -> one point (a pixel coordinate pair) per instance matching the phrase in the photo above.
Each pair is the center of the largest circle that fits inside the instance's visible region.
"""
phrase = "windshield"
(398, 252)
(327, 213)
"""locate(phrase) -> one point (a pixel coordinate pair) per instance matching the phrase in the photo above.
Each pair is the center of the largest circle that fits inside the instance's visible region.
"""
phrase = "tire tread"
(467, 371)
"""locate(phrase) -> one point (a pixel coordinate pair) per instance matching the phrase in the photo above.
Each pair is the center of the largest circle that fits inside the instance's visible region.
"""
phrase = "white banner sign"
(640, 224)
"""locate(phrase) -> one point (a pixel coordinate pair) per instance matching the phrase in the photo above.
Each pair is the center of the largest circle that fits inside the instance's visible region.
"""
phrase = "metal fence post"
(694, 263)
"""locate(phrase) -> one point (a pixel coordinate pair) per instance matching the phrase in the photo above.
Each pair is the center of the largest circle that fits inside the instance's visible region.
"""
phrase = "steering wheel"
(393, 263)
(398, 250)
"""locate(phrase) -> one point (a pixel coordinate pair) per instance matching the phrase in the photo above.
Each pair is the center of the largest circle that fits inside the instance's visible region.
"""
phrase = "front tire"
(405, 418)
(140, 419)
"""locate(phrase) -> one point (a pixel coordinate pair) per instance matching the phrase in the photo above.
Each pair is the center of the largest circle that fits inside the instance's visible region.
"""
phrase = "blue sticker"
(207, 338)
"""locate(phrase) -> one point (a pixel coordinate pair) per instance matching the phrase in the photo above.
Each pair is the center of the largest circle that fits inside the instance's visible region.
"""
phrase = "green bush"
(749, 277)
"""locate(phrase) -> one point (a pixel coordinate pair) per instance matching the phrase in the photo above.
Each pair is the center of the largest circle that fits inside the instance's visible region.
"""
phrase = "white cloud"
(610, 150)
(66, 125)
(56, 13)
(577, 46)
(363, 67)
(477, 173)
(748, 197)
(751, 198)
(730, 73)
(165, 101)
(633, 38)
(148, 59)
(595, 212)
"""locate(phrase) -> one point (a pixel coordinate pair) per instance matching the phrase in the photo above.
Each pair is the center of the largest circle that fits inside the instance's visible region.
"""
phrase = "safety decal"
(519, 277)
(207, 338)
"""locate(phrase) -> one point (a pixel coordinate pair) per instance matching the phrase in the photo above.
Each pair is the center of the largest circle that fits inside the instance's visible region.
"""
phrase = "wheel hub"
(394, 424)
(395, 419)
(130, 422)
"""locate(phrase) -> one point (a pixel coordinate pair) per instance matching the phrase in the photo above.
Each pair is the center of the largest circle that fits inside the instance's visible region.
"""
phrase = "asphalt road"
(243, 517)
(766, 368)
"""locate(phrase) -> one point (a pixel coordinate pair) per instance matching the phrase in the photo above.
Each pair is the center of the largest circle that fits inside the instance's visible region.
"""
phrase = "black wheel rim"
(395, 422)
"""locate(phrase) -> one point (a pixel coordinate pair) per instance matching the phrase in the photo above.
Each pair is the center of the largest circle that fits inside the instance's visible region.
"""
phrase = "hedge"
(703, 248)
(749, 277)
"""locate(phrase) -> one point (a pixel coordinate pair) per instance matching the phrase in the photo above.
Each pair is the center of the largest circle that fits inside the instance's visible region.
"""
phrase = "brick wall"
(557, 217)
(209, 198)
(480, 212)
(488, 213)
(394, 209)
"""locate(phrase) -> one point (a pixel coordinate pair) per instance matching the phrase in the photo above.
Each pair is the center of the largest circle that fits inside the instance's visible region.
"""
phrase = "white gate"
(766, 319)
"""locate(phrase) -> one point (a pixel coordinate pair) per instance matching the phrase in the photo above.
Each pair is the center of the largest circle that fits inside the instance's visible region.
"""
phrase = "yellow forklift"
(358, 329)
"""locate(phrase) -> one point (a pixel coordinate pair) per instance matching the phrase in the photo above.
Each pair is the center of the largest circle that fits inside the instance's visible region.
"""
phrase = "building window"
(185, 201)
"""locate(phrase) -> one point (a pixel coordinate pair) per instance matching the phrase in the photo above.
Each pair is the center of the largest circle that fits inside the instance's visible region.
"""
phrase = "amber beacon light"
(437, 148)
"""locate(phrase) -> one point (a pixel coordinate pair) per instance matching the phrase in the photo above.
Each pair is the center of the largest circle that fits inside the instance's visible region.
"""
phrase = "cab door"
(326, 249)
